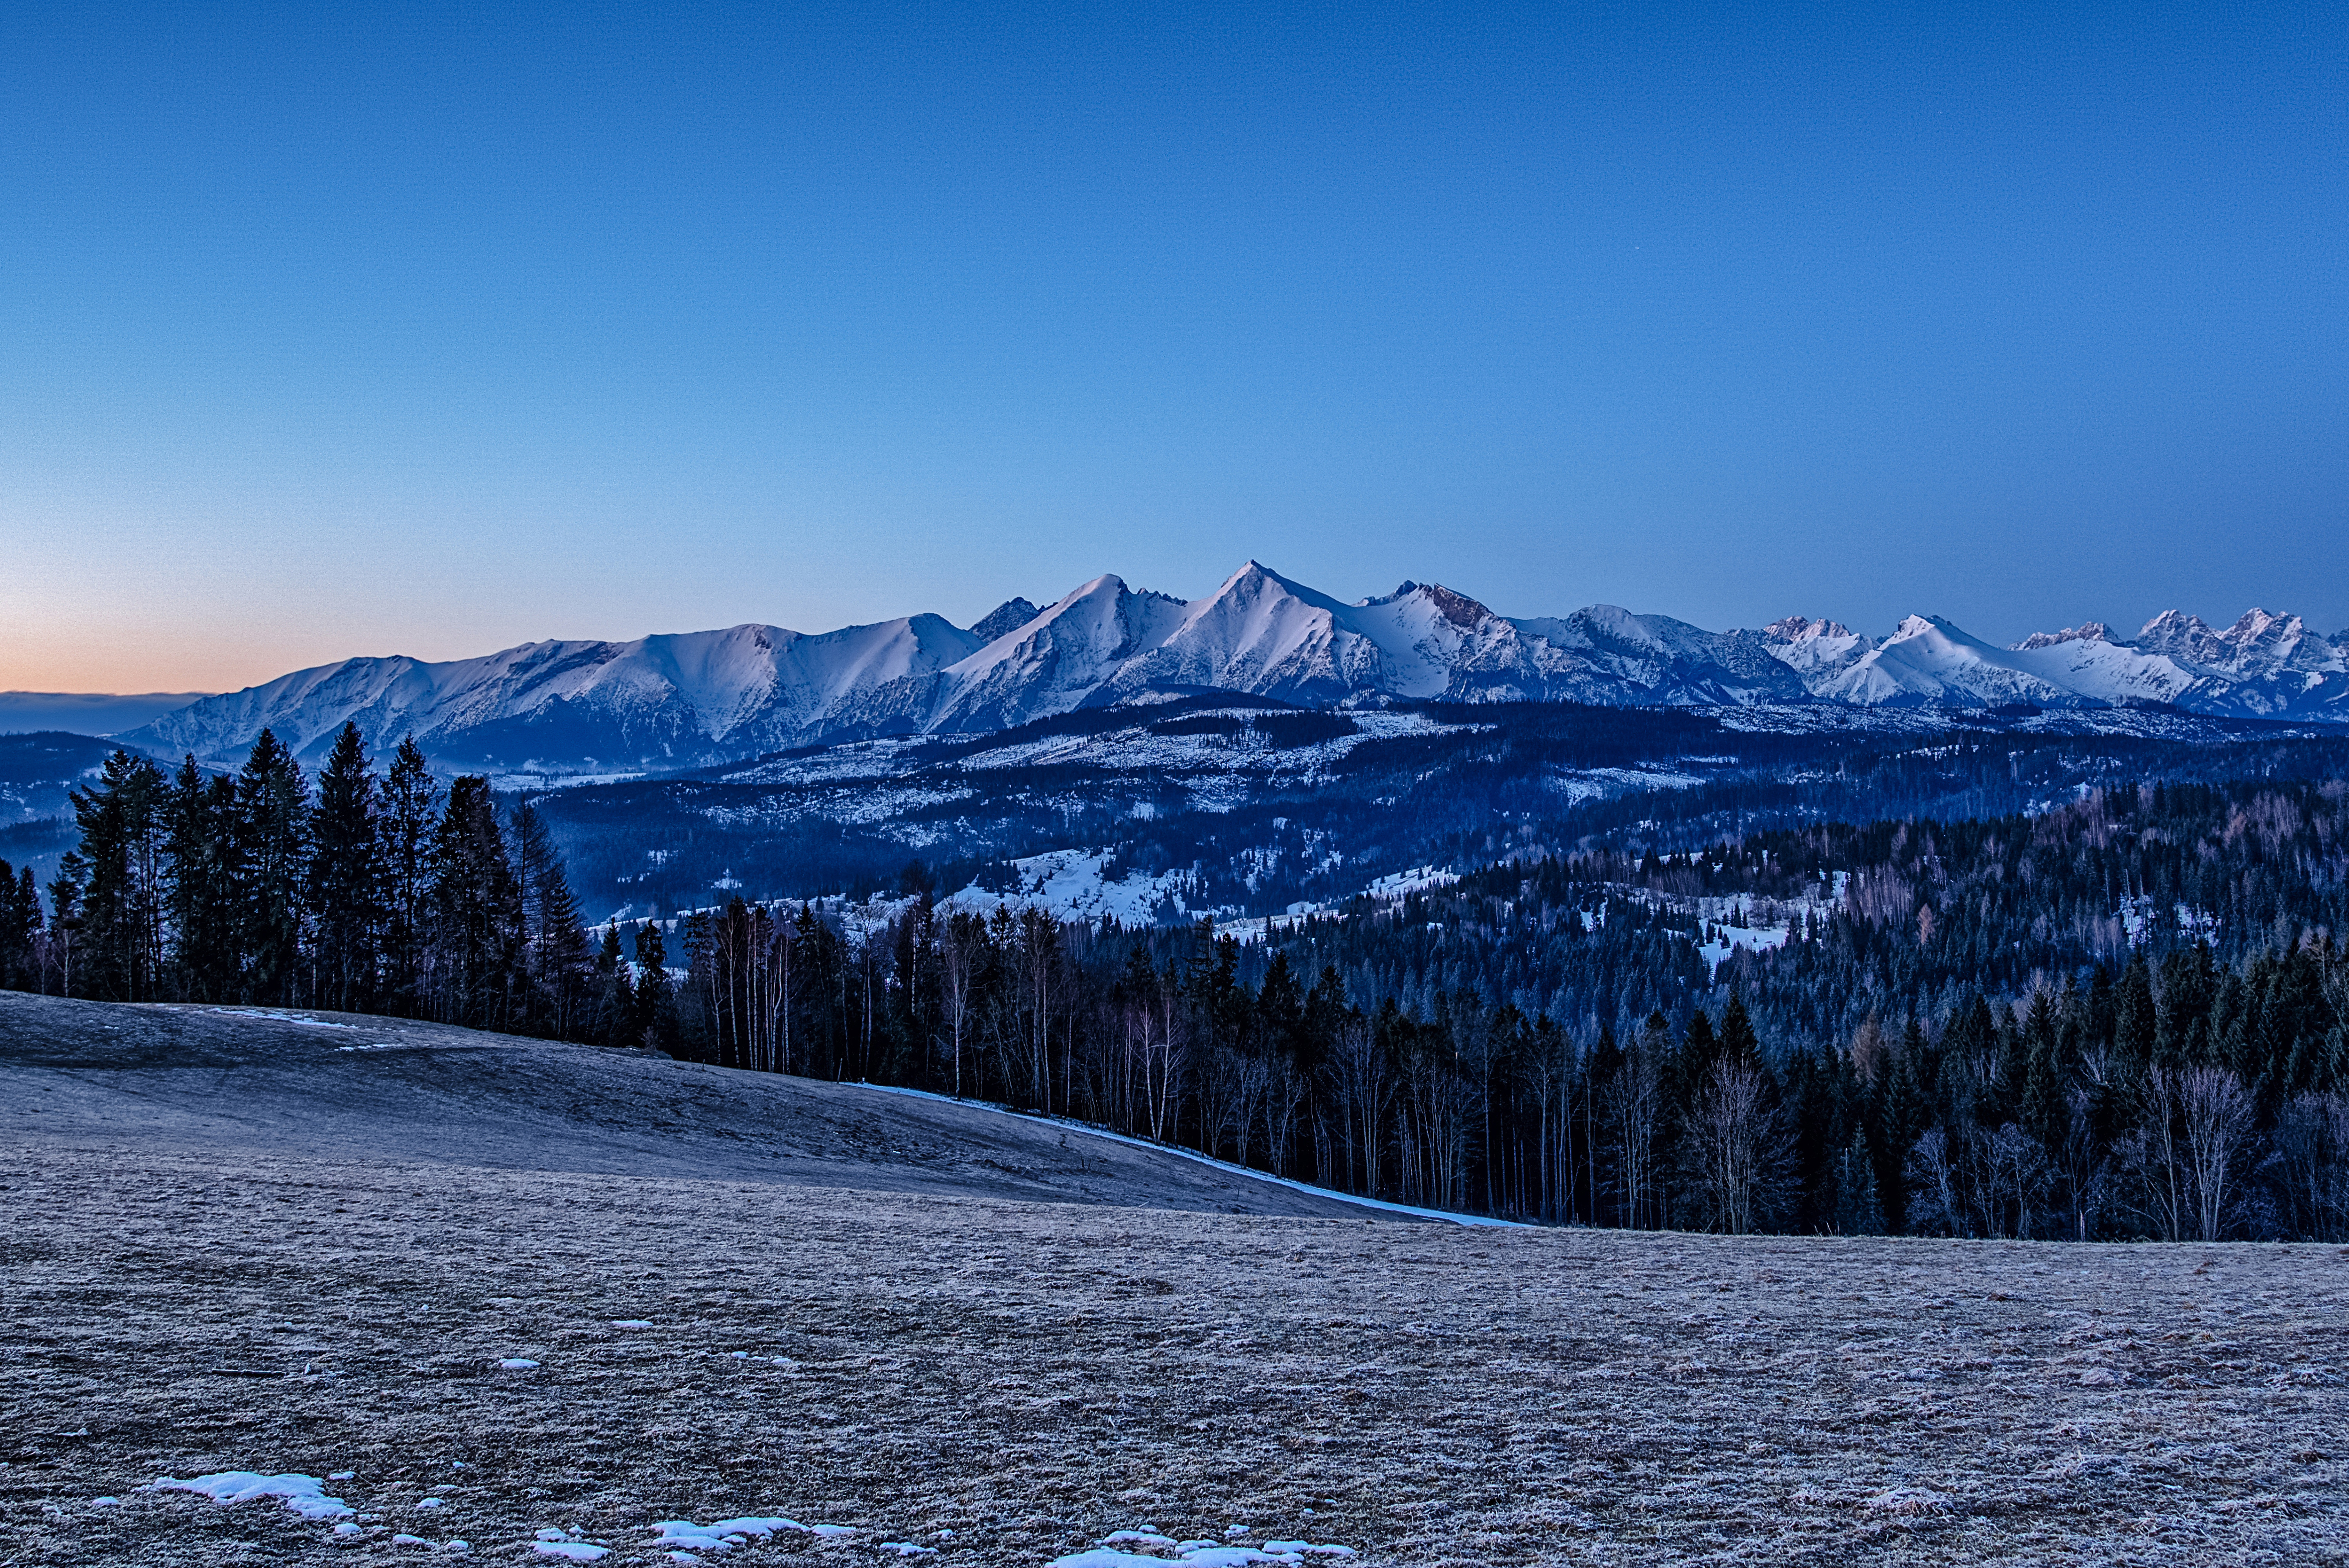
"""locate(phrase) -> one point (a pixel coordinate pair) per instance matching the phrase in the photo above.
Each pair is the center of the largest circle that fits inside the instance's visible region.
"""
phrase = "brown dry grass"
(1031, 1376)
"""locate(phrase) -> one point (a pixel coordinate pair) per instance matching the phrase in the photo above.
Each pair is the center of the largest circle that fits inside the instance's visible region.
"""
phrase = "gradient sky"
(378, 329)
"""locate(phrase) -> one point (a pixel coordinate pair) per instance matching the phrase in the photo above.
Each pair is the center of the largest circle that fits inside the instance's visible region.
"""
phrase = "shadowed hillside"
(328, 1085)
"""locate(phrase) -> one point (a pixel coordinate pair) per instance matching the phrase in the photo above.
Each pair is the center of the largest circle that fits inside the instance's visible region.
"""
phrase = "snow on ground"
(305, 1494)
(1752, 939)
(1089, 1130)
(1229, 1552)
(2137, 914)
(683, 1535)
(1074, 885)
(280, 1015)
(541, 783)
(1581, 784)
(570, 1546)
(1135, 750)
(1418, 879)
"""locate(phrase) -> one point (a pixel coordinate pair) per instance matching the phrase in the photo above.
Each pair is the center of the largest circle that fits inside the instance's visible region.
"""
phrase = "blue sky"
(432, 330)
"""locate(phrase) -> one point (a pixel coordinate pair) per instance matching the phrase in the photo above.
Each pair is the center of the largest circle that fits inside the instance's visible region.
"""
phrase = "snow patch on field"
(279, 1016)
(305, 1494)
(1111, 1553)
(683, 1535)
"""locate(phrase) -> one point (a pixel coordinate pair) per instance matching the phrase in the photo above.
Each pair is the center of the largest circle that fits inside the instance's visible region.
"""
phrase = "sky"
(330, 330)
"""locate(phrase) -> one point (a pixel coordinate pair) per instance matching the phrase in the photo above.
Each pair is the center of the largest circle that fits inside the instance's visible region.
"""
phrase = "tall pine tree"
(409, 812)
(346, 879)
(273, 802)
(558, 949)
(476, 946)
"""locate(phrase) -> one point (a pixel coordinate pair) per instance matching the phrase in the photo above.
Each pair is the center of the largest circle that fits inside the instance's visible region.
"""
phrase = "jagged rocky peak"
(1457, 608)
(2176, 633)
(1799, 628)
(1454, 607)
(2085, 631)
(2259, 643)
(1008, 616)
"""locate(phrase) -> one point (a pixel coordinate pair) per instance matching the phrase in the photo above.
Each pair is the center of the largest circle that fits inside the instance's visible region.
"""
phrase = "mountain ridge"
(685, 699)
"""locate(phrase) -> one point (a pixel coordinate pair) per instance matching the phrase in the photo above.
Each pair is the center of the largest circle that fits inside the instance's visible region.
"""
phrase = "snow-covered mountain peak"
(1800, 628)
(1813, 649)
(2085, 631)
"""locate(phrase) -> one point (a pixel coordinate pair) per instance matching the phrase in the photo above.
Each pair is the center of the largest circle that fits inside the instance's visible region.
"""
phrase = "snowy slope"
(670, 698)
(1815, 650)
(1930, 660)
(1657, 659)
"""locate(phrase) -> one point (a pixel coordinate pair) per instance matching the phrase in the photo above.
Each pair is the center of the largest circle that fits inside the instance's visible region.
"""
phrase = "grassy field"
(1032, 1376)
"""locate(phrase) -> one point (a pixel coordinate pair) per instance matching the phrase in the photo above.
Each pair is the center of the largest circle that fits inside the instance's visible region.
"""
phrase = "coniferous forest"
(2120, 1017)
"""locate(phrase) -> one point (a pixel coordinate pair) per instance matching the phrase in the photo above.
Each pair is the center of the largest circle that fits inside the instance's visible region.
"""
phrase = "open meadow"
(569, 1335)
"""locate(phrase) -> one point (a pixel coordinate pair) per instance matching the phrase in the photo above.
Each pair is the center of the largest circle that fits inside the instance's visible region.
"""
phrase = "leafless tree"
(2218, 1111)
(1634, 1098)
(1732, 1136)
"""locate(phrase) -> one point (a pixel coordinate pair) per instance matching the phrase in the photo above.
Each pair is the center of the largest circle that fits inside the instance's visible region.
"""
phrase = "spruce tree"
(557, 948)
(2044, 1113)
(409, 812)
(121, 819)
(207, 879)
(346, 878)
(655, 998)
(20, 918)
(476, 939)
(273, 801)
(2136, 1026)
(615, 1008)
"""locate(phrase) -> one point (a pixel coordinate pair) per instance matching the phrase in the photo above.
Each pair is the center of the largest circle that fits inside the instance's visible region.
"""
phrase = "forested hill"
(1887, 919)
(2122, 1016)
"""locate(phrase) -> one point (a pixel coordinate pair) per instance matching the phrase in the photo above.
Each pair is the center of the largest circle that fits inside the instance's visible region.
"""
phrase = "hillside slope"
(342, 1086)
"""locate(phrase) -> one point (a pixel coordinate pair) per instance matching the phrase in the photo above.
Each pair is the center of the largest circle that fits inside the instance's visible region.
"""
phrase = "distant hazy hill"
(87, 713)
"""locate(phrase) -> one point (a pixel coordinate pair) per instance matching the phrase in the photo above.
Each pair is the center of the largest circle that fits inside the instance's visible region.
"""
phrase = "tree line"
(2121, 1018)
(358, 891)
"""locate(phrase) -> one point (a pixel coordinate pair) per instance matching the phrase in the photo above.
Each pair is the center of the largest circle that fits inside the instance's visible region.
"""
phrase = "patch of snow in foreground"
(1224, 1165)
(1197, 1553)
(305, 1494)
(280, 1015)
(517, 1363)
(724, 1534)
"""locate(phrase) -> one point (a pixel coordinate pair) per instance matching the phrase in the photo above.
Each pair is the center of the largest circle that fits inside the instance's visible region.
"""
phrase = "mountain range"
(692, 699)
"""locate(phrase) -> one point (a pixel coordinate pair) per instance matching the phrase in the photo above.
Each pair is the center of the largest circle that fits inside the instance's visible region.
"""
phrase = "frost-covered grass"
(1013, 1384)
